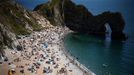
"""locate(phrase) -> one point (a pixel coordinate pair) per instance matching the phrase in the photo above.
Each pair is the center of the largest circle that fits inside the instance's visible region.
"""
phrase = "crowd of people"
(40, 53)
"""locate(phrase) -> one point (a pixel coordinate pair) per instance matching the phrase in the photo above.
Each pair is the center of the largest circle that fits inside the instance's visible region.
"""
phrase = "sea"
(102, 56)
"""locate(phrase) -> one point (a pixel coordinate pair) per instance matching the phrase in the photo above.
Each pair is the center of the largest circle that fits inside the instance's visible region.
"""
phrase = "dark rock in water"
(79, 19)
(118, 36)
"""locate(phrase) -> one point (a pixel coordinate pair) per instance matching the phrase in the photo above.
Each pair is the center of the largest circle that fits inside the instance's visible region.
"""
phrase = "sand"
(44, 47)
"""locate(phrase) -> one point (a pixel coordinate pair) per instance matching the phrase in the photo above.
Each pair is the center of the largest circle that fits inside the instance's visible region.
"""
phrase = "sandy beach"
(40, 53)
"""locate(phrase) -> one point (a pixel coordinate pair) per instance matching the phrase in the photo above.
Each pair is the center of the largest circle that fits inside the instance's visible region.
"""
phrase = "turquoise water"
(102, 56)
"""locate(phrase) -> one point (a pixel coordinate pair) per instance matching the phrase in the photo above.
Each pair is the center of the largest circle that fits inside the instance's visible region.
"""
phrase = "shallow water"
(102, 56)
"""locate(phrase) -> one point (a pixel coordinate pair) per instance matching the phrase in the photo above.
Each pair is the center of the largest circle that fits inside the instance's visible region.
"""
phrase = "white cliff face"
(41, 20)
(47, 42)
(6, 36)
(19, 20)
(14, 20)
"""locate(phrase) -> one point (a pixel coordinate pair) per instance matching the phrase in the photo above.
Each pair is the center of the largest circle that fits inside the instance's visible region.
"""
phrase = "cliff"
(14, 21)
(52, 10)
(79, 19)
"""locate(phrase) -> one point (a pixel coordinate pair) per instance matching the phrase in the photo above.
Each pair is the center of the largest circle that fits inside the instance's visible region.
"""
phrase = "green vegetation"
(54, 2)
(47, 10)
(20, 30)
(33, 23)
(13, 17)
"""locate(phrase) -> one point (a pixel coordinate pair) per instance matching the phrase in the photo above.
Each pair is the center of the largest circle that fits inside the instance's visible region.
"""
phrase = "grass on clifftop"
(13, 17)
(54, 2)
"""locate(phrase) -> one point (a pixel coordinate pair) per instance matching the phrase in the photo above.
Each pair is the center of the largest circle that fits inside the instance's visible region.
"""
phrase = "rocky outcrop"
(52, 10)
(79, 19)
(14, 21)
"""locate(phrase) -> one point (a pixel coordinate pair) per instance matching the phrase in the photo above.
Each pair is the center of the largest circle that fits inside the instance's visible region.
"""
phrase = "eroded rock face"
(14, 20)
(79, 19)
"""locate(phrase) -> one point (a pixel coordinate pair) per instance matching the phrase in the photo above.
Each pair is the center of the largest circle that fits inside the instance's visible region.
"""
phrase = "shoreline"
(48, 57)
(85, 70)
(41, 52)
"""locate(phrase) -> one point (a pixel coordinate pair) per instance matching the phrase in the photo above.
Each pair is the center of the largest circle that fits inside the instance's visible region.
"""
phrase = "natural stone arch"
(79, 19)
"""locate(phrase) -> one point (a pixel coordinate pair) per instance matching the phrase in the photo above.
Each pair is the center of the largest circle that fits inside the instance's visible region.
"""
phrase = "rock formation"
(79, 19)
(14, 21)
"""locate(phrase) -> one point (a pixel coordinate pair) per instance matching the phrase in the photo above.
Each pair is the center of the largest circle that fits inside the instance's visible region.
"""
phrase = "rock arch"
(79, 19)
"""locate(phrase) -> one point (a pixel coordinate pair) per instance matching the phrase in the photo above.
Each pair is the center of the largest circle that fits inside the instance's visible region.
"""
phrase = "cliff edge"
(79, 19)
(15, 21)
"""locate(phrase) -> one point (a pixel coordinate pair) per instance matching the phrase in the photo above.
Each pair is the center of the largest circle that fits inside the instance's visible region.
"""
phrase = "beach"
(41, 53)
